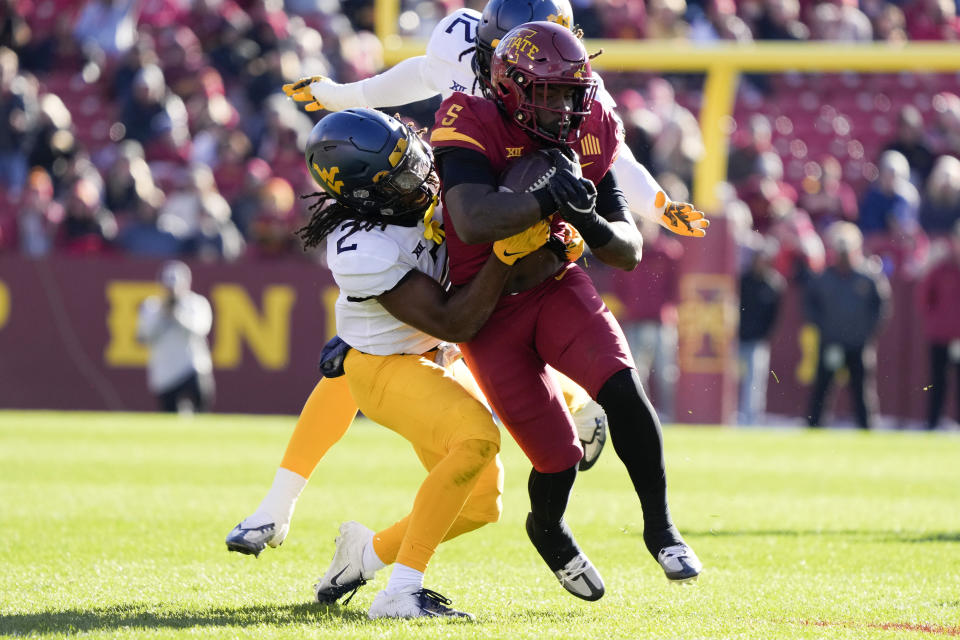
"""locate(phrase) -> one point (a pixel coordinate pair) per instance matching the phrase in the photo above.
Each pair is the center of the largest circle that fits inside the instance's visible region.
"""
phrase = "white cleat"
(420, 603)
(346, 569)
(255, 532)
(581, 578)
(680, 563)
(591, 424)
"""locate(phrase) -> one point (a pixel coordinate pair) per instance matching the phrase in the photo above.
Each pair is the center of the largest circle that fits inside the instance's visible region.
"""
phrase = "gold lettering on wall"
(124, 298)
(4, 304)
(707, 322)
(236, 321)
(809, 340)
(329, 297)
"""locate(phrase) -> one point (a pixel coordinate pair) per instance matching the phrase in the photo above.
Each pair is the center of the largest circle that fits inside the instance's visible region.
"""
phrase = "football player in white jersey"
(376, 216)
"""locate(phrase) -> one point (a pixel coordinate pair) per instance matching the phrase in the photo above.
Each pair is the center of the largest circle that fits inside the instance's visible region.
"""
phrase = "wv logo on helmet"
(330, 177)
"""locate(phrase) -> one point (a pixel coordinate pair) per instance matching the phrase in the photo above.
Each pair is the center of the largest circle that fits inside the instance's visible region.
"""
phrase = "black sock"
(549, 495)
(635, 433)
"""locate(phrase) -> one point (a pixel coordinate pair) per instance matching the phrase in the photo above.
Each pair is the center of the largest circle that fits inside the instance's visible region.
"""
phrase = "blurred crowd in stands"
(158, 128)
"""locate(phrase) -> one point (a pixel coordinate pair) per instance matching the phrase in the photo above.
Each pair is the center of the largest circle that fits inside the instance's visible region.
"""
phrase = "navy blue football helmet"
(499, 17)
(375, 164)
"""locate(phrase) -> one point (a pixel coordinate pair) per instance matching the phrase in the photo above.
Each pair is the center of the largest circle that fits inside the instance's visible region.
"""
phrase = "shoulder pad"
(454, 34)
(365, 264)
(361, 253)
(603, 96)
(460, 122)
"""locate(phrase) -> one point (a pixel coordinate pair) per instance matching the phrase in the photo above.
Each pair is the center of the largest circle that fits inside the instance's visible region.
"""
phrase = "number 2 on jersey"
(469, 24)
(341, 248)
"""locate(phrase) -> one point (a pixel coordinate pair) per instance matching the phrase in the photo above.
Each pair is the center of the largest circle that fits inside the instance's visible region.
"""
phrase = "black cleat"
(563, 556)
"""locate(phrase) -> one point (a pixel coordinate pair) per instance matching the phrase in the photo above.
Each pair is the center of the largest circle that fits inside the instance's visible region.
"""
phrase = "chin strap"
(432, 229)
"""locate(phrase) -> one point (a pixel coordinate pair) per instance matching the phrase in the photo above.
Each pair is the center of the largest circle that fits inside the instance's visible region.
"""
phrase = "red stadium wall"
(67, 329)
(67, 332)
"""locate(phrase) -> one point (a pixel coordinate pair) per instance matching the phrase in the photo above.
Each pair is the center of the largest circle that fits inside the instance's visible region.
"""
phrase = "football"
(527, 173)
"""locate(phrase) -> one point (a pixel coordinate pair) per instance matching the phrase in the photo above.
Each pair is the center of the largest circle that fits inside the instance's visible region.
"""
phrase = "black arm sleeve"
(611, 204)
(459, 166)
(456, 165)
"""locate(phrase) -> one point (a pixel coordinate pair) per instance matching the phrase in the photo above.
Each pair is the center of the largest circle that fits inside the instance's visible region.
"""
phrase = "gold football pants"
(454, 437)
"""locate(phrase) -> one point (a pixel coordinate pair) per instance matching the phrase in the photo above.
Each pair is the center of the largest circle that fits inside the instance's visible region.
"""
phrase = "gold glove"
(522, 244)
(300, 92)
(681, 217)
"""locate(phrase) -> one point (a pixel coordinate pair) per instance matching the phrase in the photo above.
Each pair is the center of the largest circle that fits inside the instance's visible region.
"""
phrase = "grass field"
(112, 525)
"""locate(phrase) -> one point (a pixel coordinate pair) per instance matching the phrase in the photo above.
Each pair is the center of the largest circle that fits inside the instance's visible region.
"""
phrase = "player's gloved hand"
(576, 199)
(565, 158)
(300, 91)
(681, 217)
(522, 244)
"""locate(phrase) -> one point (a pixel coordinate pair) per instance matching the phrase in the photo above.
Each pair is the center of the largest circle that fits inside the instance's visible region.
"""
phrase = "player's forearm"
(468, 308)
(613, 236)
(401, 84)
(624, 249)
(481, 214)
(638, 185)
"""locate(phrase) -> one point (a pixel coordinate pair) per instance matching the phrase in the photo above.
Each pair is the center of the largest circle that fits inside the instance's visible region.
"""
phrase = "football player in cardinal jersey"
(553, 316)
(378, 220)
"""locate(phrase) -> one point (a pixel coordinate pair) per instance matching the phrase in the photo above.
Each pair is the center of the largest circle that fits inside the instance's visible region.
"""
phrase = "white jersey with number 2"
(366, 264)
(449, 58)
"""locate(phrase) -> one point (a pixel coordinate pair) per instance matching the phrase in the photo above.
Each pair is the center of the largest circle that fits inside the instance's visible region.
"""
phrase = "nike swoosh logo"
(333, 580)
(507, 254)
(586, 164)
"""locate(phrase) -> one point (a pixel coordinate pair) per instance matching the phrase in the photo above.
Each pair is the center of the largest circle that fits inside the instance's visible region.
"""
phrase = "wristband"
(599, 233)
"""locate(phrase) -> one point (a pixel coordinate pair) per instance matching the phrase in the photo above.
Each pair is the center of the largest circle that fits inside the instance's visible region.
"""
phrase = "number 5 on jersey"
(452, 113)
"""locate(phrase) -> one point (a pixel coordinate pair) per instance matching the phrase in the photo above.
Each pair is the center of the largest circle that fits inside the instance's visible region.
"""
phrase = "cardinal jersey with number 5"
(478, 124)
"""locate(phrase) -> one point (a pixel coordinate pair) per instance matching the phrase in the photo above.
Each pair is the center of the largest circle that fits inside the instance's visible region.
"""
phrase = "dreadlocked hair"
(326, 214)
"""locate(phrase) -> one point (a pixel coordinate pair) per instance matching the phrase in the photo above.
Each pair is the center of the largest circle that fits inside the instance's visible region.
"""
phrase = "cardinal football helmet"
(530, 62)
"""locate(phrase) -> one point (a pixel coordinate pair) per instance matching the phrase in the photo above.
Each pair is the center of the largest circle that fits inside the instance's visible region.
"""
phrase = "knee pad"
(485, 503)
(473, 457)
